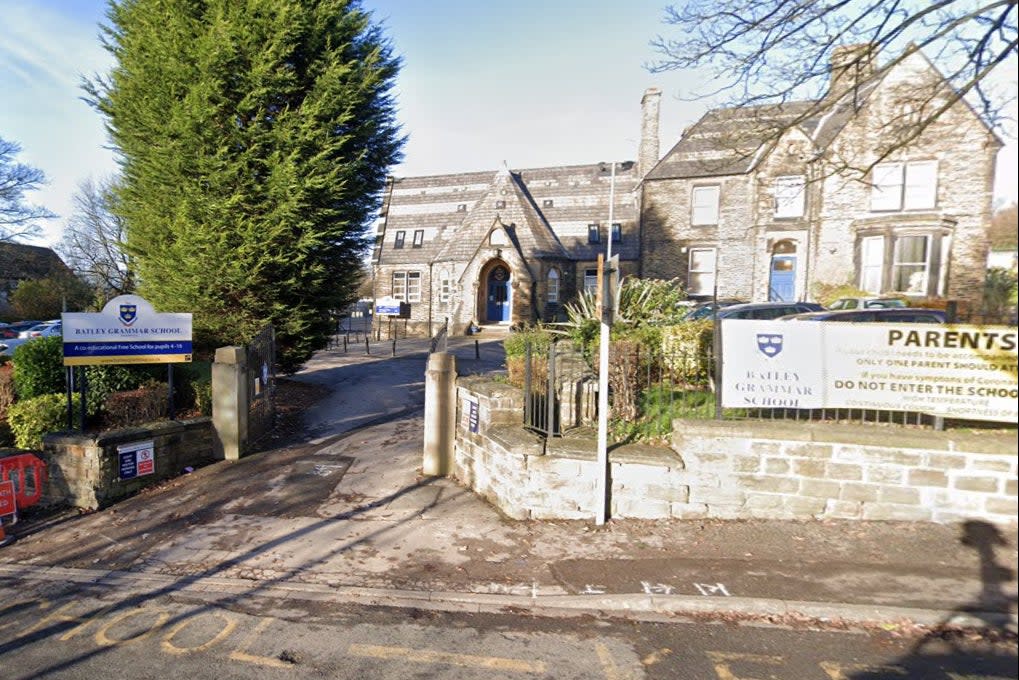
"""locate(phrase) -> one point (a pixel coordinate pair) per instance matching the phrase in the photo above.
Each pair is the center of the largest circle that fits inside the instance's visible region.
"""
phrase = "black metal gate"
(261, 361)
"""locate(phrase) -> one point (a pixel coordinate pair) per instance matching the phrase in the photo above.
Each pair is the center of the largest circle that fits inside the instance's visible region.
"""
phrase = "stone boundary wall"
(734, 470)
(84, 470)
(797, 470)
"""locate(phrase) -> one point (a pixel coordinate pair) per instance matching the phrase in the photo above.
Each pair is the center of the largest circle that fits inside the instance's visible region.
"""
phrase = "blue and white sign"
(387, 306)
(127, 331)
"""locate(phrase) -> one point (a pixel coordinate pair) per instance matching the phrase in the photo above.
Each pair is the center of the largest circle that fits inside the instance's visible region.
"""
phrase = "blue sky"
(531, 82)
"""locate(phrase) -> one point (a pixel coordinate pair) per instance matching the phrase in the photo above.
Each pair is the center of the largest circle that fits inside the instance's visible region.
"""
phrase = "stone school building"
(732, 209)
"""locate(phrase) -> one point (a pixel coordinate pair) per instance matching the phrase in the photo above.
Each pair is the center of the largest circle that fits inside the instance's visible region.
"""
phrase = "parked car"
(43, 330)
(17, 328)
(704, 310)
(7, 332)
(867, 303)
(767, 310)
(886, 315)
(8, 345)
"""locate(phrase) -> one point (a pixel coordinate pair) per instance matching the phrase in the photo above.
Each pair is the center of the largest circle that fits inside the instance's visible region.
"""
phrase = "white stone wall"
(735, 470)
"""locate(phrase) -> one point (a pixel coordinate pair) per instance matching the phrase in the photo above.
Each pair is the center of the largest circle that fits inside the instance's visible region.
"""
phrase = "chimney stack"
(851, 66)
(647, 155)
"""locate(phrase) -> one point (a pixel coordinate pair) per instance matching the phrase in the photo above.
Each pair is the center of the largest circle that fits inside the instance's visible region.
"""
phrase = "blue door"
(498, 295)
(782, 287)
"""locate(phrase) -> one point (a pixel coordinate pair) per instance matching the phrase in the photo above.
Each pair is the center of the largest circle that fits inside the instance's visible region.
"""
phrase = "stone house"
(501, 247)
(764, 203)
(760, 203)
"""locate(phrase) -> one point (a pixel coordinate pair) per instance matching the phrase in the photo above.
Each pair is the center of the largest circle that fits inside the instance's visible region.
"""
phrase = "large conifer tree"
(254, 138)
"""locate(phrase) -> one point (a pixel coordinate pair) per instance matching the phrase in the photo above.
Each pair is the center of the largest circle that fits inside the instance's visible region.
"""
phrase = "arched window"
(553, 286)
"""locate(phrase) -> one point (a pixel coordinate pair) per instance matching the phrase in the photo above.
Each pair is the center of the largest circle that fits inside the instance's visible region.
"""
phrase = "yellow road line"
(431, 656)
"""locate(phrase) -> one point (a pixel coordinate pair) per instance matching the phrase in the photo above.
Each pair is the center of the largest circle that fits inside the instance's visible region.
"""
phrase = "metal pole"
(394, 347)
(477, 349)
(81, 384)
(169, 396)
(70, 397)
(367, 347)
(601, 487)
(550, 396)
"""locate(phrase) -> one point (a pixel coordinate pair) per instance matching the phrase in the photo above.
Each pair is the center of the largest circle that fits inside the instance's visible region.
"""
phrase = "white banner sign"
(956, 371)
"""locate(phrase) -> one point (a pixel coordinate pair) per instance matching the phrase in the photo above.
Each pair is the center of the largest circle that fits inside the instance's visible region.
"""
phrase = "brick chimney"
(851, 66)
(647, 155)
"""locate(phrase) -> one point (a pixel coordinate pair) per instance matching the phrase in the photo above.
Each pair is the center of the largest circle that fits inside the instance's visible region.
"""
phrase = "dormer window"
(500, 204)
(462, 207)
(593, 233)
(419, 237)
(547, 203)
(401, 236)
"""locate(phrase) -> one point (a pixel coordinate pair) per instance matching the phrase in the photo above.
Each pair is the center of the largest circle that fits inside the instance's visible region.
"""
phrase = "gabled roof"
(546, 211)
(508, 202)
(726, 141)
(731, 141)
(20, 262)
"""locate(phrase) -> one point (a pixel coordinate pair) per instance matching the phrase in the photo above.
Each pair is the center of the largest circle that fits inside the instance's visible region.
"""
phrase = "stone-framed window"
(617, 232)
(445, 287)
(398, 241)
(911, 185)
(700, 279)
(790, 194)
(704, 205)
(591, 281)
(407, 286)
(593, 233)
(552, 294)
(908, 261)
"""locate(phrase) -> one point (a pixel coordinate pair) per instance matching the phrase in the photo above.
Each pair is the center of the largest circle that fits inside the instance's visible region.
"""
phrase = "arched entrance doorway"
(497, 294)
(782, 281)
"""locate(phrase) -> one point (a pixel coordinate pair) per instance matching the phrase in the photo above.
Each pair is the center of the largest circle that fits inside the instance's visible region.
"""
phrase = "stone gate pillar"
(440, 414)
(230, 402)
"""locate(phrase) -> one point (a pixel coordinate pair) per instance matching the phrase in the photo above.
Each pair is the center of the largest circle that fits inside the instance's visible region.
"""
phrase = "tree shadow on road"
(977, 639)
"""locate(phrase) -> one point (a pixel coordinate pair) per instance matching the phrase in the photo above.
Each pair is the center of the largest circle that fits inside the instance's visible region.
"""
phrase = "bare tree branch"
(760, 55)
(93, 242)
(17, 218)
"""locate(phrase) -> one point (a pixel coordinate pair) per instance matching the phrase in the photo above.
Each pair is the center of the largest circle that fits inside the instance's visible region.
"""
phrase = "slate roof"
(730, 141)
(547, 208)
(20, 262)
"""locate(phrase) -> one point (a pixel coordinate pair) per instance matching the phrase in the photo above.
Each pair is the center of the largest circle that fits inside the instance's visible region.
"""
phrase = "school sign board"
(956, 371)
(127, 331)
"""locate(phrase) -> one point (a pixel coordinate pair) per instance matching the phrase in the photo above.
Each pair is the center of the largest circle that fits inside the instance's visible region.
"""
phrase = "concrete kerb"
(634, 606)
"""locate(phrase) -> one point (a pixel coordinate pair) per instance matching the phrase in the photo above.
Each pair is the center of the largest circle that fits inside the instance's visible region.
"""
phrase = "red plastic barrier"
(28, 474)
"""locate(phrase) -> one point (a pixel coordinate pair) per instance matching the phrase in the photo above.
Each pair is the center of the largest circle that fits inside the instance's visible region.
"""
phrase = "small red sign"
(7, 503)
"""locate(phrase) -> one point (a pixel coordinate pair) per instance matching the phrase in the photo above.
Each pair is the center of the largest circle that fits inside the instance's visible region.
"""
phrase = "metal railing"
(648, 389)
(261, 362)
(440, 341)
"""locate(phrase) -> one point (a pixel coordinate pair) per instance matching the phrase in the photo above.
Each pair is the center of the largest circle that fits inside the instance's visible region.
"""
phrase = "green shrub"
(103, 380)
(827, 293)
(515, 343)
(134, 407)
(999, 290)
(201, 391)
(39, 368)
(687, 350)
(31, 419)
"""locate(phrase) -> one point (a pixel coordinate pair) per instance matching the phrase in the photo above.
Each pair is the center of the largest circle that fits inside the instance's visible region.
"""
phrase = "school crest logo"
(769, 344)
(128, 314)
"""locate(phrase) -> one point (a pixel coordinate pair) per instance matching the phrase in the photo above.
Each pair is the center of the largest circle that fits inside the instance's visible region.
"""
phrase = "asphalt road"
(135, 630)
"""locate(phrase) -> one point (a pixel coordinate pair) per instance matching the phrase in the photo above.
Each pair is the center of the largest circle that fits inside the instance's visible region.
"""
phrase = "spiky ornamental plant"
(254, 140)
